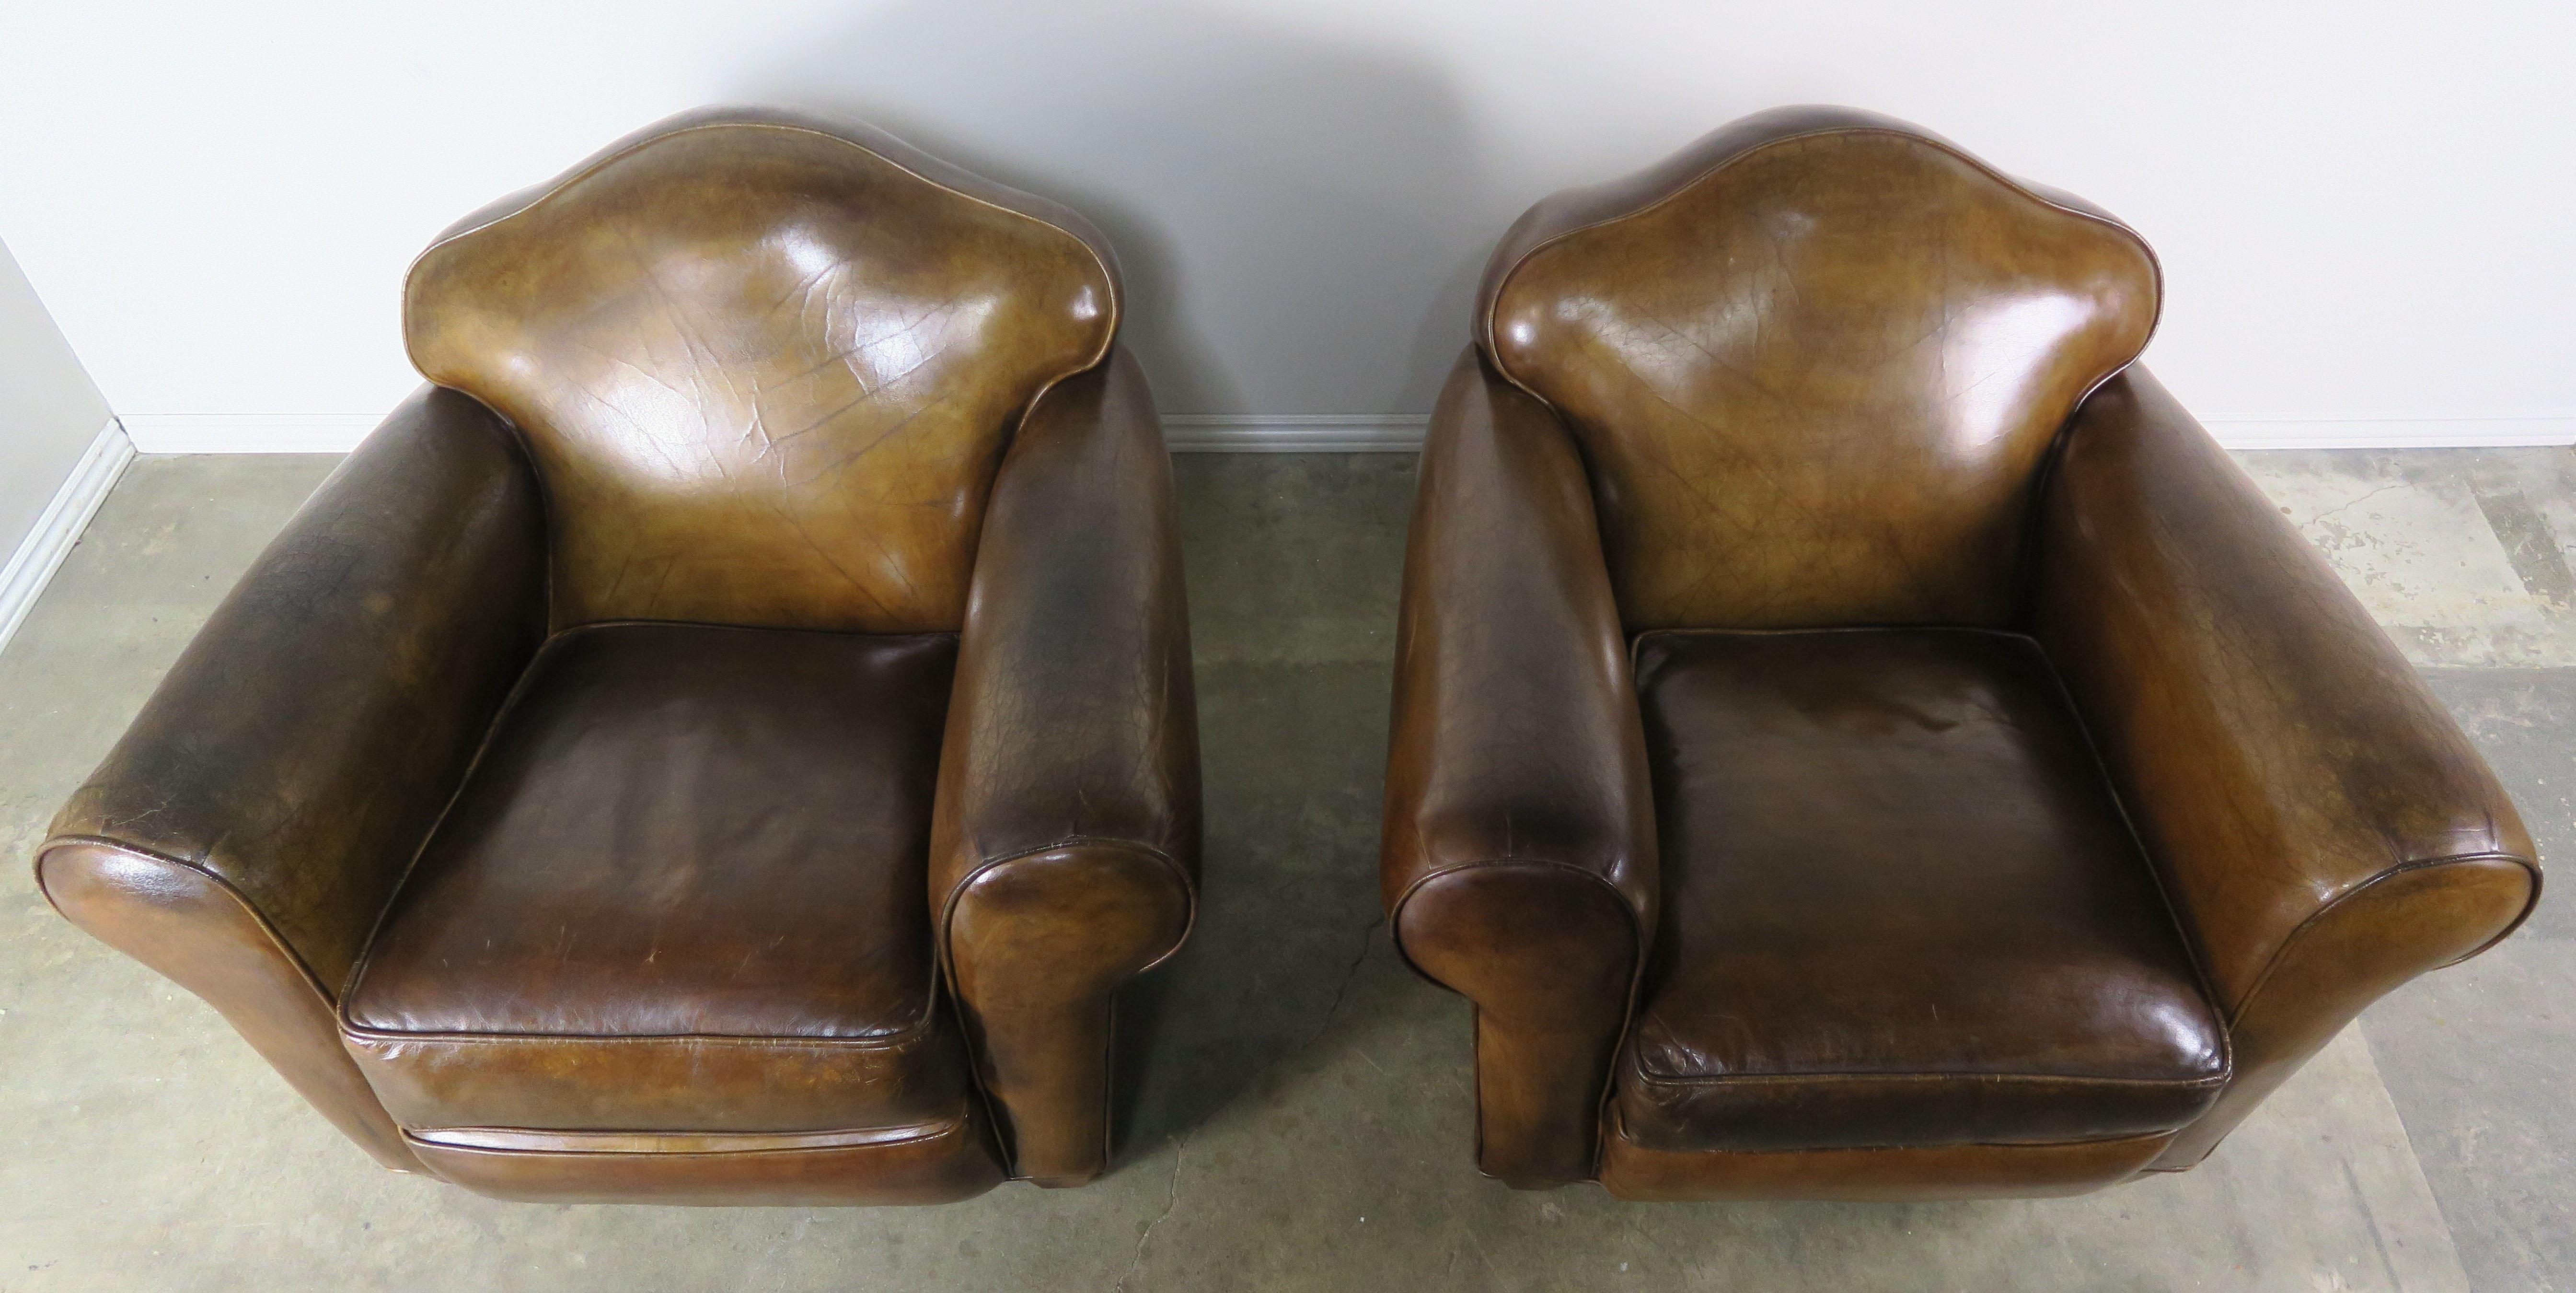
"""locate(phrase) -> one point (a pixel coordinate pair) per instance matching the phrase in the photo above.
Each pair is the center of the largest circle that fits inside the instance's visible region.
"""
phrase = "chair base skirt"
(1634, 1172)
(939, 1163)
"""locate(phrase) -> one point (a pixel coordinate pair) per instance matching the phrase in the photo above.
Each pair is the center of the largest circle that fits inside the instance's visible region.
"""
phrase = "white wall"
(59, 450)
(2361, 205)
(49, 410)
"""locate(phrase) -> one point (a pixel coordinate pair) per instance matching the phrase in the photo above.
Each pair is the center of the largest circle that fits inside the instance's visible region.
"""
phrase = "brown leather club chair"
(729, 737)
(1856, 736)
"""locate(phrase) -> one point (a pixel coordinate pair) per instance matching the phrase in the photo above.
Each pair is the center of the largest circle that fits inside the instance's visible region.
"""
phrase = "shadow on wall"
(1297, 222)
(1300, 225)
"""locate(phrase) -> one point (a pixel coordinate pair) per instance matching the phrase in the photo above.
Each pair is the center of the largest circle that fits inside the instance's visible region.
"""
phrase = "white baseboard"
(248, 432)
(1294, 432)
(1186, 432)
(1331, 433)
(1363, 433)
(59, 526)
(2390, 433)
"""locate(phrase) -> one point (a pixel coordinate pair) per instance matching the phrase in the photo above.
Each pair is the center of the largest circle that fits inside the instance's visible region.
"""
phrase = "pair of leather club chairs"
(729, 738)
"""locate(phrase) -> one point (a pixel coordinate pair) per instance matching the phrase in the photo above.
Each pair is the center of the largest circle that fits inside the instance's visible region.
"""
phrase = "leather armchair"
(1855, 735)
(726, 740)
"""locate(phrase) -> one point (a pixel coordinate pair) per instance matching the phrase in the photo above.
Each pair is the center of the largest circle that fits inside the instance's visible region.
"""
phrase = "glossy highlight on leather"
(1815, 368)
(1855, 736)
(1902, 906)
(766, 367)
(731, 738)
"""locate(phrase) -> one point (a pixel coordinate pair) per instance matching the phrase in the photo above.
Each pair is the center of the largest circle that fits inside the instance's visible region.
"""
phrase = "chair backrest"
(1816, 363)
(766, 367)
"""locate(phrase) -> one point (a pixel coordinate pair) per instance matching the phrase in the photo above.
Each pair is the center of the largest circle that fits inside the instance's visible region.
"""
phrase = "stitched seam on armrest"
(2183, 932)
(1180, 876)
(1636, 918)
(1486, 365)
(945, 981)
(1019, 426)
(258, 917)
(514, 441)
(2281, 954)
(491, 730)
(1642, 941)
(2043, 484)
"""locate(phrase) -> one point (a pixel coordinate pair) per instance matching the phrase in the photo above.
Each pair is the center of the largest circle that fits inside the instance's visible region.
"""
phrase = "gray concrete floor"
(1298, 1107)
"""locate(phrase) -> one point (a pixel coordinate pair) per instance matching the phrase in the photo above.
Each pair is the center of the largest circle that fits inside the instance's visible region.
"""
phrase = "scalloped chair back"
(766, 368)
(1816, 363)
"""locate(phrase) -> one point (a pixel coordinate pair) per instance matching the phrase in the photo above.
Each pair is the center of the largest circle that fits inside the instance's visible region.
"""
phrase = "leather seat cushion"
(681, 890)
(1902, 907)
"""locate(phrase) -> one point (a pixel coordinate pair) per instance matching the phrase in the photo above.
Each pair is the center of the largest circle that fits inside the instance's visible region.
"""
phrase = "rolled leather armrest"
(1065, 845)
(246, 832)
(2324, 830)
(1518, 862)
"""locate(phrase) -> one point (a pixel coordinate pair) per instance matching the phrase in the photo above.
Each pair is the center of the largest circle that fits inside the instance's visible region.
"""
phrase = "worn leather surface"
(202, 935)
(1815, 361)
(766, 365)
(1065, 854)
(1518, 860)
(939, 1162)
(1816, 372)
(2290, 774)
(1549, 957)
(757, 416)
(1882, 1175)
(246, 830)
(1038, 947)
(307, 738)
(664, 1082)
(1902, 908)
(681, 890)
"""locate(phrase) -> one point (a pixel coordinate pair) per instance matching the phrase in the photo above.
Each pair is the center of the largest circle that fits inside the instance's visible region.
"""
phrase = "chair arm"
(1065, 845)
(1518, 860)
(248, 829)
(2322, 827)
